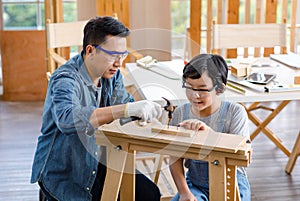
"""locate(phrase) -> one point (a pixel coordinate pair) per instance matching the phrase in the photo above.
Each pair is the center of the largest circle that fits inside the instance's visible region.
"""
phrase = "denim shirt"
(67, 155)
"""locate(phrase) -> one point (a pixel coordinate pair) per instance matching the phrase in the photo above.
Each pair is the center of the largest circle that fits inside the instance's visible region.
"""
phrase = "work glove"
(146, 110)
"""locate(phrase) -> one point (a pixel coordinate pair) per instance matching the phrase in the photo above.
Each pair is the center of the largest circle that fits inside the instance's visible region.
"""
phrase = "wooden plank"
(209, 24)
(109, 10)
(54, 13)
(220, 19)
(116, 160)
(293, 46)
(126, 13)
(271, 14)
(127, 188)
(217, 178)
(232, 18)
(195, 26)
(231, 181)
(173, 130)
(245, 35)
(24, 75)
(258, 20)
(100, 7)
(247, 21)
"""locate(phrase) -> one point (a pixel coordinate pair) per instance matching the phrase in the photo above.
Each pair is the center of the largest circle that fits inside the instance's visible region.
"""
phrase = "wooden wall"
(24, 65)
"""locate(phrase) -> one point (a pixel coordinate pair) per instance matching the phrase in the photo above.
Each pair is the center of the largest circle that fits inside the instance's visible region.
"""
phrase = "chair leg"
(293, 157)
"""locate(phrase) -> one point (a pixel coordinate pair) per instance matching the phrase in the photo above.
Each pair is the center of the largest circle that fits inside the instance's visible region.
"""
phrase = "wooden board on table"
(173, 130)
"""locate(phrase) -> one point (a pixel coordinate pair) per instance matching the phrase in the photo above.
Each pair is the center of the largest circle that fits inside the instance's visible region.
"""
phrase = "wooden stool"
(293, 157)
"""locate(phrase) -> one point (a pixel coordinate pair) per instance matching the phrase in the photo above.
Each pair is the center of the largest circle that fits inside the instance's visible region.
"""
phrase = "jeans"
(202, 193)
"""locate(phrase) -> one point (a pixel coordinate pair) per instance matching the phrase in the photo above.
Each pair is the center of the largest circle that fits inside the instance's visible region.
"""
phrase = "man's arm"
(145, 110)
(105, 115)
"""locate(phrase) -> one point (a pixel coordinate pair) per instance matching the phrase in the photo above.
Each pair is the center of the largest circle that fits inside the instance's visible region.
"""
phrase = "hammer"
(168, 107)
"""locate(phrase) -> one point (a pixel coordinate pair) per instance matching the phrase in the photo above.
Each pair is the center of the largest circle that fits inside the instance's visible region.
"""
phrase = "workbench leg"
(127, 191)
(233, 193)
(217, 178)
(116, 159)
(237, 191)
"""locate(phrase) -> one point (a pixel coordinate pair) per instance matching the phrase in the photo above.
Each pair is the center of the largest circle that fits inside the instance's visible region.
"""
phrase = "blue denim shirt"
(67, 155)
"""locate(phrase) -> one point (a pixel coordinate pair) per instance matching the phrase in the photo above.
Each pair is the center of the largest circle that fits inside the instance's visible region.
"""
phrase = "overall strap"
(186, 111)
(222, 116)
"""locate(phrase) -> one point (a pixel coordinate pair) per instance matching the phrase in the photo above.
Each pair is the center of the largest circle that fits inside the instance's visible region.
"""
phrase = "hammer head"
(169, 107)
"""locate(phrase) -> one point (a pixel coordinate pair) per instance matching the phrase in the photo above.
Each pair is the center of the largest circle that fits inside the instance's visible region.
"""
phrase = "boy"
(204, 78)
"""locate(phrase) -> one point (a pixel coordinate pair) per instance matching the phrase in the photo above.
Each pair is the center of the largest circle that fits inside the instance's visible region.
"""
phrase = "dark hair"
(96, 30)
(214, 64)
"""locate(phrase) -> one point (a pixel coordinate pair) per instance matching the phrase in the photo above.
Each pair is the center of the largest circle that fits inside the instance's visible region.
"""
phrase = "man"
(83, 94)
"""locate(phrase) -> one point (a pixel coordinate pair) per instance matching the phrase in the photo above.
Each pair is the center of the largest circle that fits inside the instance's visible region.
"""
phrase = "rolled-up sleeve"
(69, 113)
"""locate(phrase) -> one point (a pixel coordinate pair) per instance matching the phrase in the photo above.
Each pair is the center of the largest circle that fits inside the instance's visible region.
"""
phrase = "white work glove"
(146, 110)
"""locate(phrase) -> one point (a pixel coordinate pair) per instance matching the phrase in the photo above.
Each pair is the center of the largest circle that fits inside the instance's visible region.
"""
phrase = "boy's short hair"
(96, 30)
(214, 64)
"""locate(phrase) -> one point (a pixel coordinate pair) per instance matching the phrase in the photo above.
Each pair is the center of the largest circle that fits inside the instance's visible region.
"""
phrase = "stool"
(293, 157)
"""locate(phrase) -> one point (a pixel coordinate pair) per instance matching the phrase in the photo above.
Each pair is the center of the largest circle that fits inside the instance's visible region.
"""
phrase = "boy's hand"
(187, 197)
(193, 124)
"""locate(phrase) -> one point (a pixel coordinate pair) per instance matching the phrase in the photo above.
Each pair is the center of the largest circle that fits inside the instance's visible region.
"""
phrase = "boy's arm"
(177, 171)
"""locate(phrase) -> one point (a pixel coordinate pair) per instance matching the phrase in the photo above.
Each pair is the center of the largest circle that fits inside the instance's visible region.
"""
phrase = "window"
(180, 16)
(29, 14)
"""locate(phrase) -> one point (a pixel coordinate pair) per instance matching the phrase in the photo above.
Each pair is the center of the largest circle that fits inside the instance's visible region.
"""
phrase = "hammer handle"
(126, 120)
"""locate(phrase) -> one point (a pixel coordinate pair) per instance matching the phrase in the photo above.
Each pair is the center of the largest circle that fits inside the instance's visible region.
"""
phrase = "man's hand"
(193, 124)
(146, 110)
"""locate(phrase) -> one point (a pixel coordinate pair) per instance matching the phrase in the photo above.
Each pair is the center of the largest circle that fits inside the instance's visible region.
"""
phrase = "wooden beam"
(293, 40)
(271, 14)
(195, 26)
(232, 18)
(209, 26)
(247, 20)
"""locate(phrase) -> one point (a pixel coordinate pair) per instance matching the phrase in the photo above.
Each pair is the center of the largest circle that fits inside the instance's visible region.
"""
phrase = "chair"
(293, 157)
(227, 36)
(59, 35)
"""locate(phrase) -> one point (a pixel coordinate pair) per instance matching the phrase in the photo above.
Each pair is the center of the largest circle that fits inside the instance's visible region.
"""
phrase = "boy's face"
(202, 102)
(105, 59)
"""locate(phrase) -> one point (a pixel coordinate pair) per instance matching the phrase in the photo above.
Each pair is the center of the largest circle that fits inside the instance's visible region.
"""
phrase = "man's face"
(104, 60)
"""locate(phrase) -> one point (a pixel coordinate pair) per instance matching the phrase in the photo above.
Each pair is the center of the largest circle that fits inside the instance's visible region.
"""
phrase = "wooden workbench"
(224, 152)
